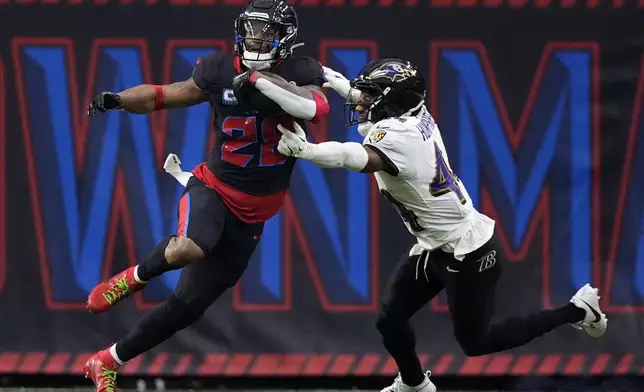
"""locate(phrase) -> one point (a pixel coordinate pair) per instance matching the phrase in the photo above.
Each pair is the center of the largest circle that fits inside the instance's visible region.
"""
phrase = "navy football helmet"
(265, 32)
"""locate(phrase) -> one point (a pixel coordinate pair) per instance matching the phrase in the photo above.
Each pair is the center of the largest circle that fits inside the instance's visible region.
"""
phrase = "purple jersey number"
(407, 216)
(445, 180)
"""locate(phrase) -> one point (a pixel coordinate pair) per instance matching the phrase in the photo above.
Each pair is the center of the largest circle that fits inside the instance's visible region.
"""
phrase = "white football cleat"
(400, 386)
(595, 322)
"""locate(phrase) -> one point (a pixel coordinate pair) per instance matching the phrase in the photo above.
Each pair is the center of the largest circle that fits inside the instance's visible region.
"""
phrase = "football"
(249, 96)
(257, 101)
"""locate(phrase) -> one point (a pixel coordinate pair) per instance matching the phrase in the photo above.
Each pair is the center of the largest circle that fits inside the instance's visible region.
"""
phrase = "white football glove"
(172, 166)
(339, 83)
(292, 143)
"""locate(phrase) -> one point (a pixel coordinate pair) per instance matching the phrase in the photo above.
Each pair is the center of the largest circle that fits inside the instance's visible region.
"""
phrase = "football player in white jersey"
(455, 249)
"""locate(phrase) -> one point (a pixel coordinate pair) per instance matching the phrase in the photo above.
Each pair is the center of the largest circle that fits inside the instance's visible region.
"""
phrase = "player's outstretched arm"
(304, 102)
(147, 98)
(348, 155)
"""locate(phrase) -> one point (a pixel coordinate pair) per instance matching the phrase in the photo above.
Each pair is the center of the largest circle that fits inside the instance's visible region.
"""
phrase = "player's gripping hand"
(340, 84)
(103, 102)
(243, 88)
(293, 143)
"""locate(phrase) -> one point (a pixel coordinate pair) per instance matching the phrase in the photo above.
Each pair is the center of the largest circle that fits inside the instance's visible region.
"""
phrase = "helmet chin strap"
(260, 61)
(364, 127)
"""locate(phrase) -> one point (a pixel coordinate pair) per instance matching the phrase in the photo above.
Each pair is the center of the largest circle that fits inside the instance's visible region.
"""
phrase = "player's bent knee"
(385, 323)
(181, 314)
(474, 351)
(182, 251)
(473, 345)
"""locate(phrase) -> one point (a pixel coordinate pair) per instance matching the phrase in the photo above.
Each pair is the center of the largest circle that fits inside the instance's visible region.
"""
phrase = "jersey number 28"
(243, 130)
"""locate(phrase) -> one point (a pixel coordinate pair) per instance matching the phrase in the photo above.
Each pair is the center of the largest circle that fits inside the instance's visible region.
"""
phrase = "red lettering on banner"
(3, 177)
(496, 4)
(541, 214)
(620, 210)
(80, 121)
(319, 133)
(170, 48)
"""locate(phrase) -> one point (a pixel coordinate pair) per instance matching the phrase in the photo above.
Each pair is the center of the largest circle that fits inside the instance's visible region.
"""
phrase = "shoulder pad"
(208, 69)
(394, 124)
(304, 70)
(211, 59)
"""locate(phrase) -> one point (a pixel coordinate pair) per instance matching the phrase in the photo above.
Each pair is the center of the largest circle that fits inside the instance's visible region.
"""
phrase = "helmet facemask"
(262, 42)
(367, 111)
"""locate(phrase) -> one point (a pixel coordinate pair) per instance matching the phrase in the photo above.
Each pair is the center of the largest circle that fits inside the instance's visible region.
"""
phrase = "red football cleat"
(101, 369)
(107, 294)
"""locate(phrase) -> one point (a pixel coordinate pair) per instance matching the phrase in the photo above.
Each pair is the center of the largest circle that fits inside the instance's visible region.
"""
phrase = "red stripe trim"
(9, 362)
(253, 77)
(574, 365)
(453, 4)
(549, 365)
(183, 216)
(322, 107)
(237, 64)
(248, 208)
(32, 363)
(182, 365)
(367, 365)
(292, 365)
(343, 364)
(443, 364)
(79, 362)
(213, 364)
(524, 365)
(317, 364)
(157, 365)
(474, 366)
(389, 368)
(56, 363)
(624, 365)
(238, 364)
(499, 365)
(158, 97)
(132, 366)
(599, 365)
(266, 364)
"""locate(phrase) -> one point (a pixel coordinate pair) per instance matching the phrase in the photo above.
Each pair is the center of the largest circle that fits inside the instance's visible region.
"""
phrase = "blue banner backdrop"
(540, 109)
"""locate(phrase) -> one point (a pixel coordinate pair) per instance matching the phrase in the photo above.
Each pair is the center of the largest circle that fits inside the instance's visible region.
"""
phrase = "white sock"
(115, 355)
(136, 275)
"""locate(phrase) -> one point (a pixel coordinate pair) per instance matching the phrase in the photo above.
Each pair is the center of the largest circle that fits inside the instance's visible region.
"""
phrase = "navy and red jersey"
(245, 167)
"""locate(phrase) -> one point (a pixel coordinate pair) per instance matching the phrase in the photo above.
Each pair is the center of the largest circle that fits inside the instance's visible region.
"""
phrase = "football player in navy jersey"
(229, 197)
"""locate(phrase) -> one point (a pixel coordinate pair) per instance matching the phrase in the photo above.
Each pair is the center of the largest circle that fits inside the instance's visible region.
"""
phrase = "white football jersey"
(429, 197)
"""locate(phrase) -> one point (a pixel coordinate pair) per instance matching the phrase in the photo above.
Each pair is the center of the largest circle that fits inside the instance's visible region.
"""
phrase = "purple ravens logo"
(395, 72)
